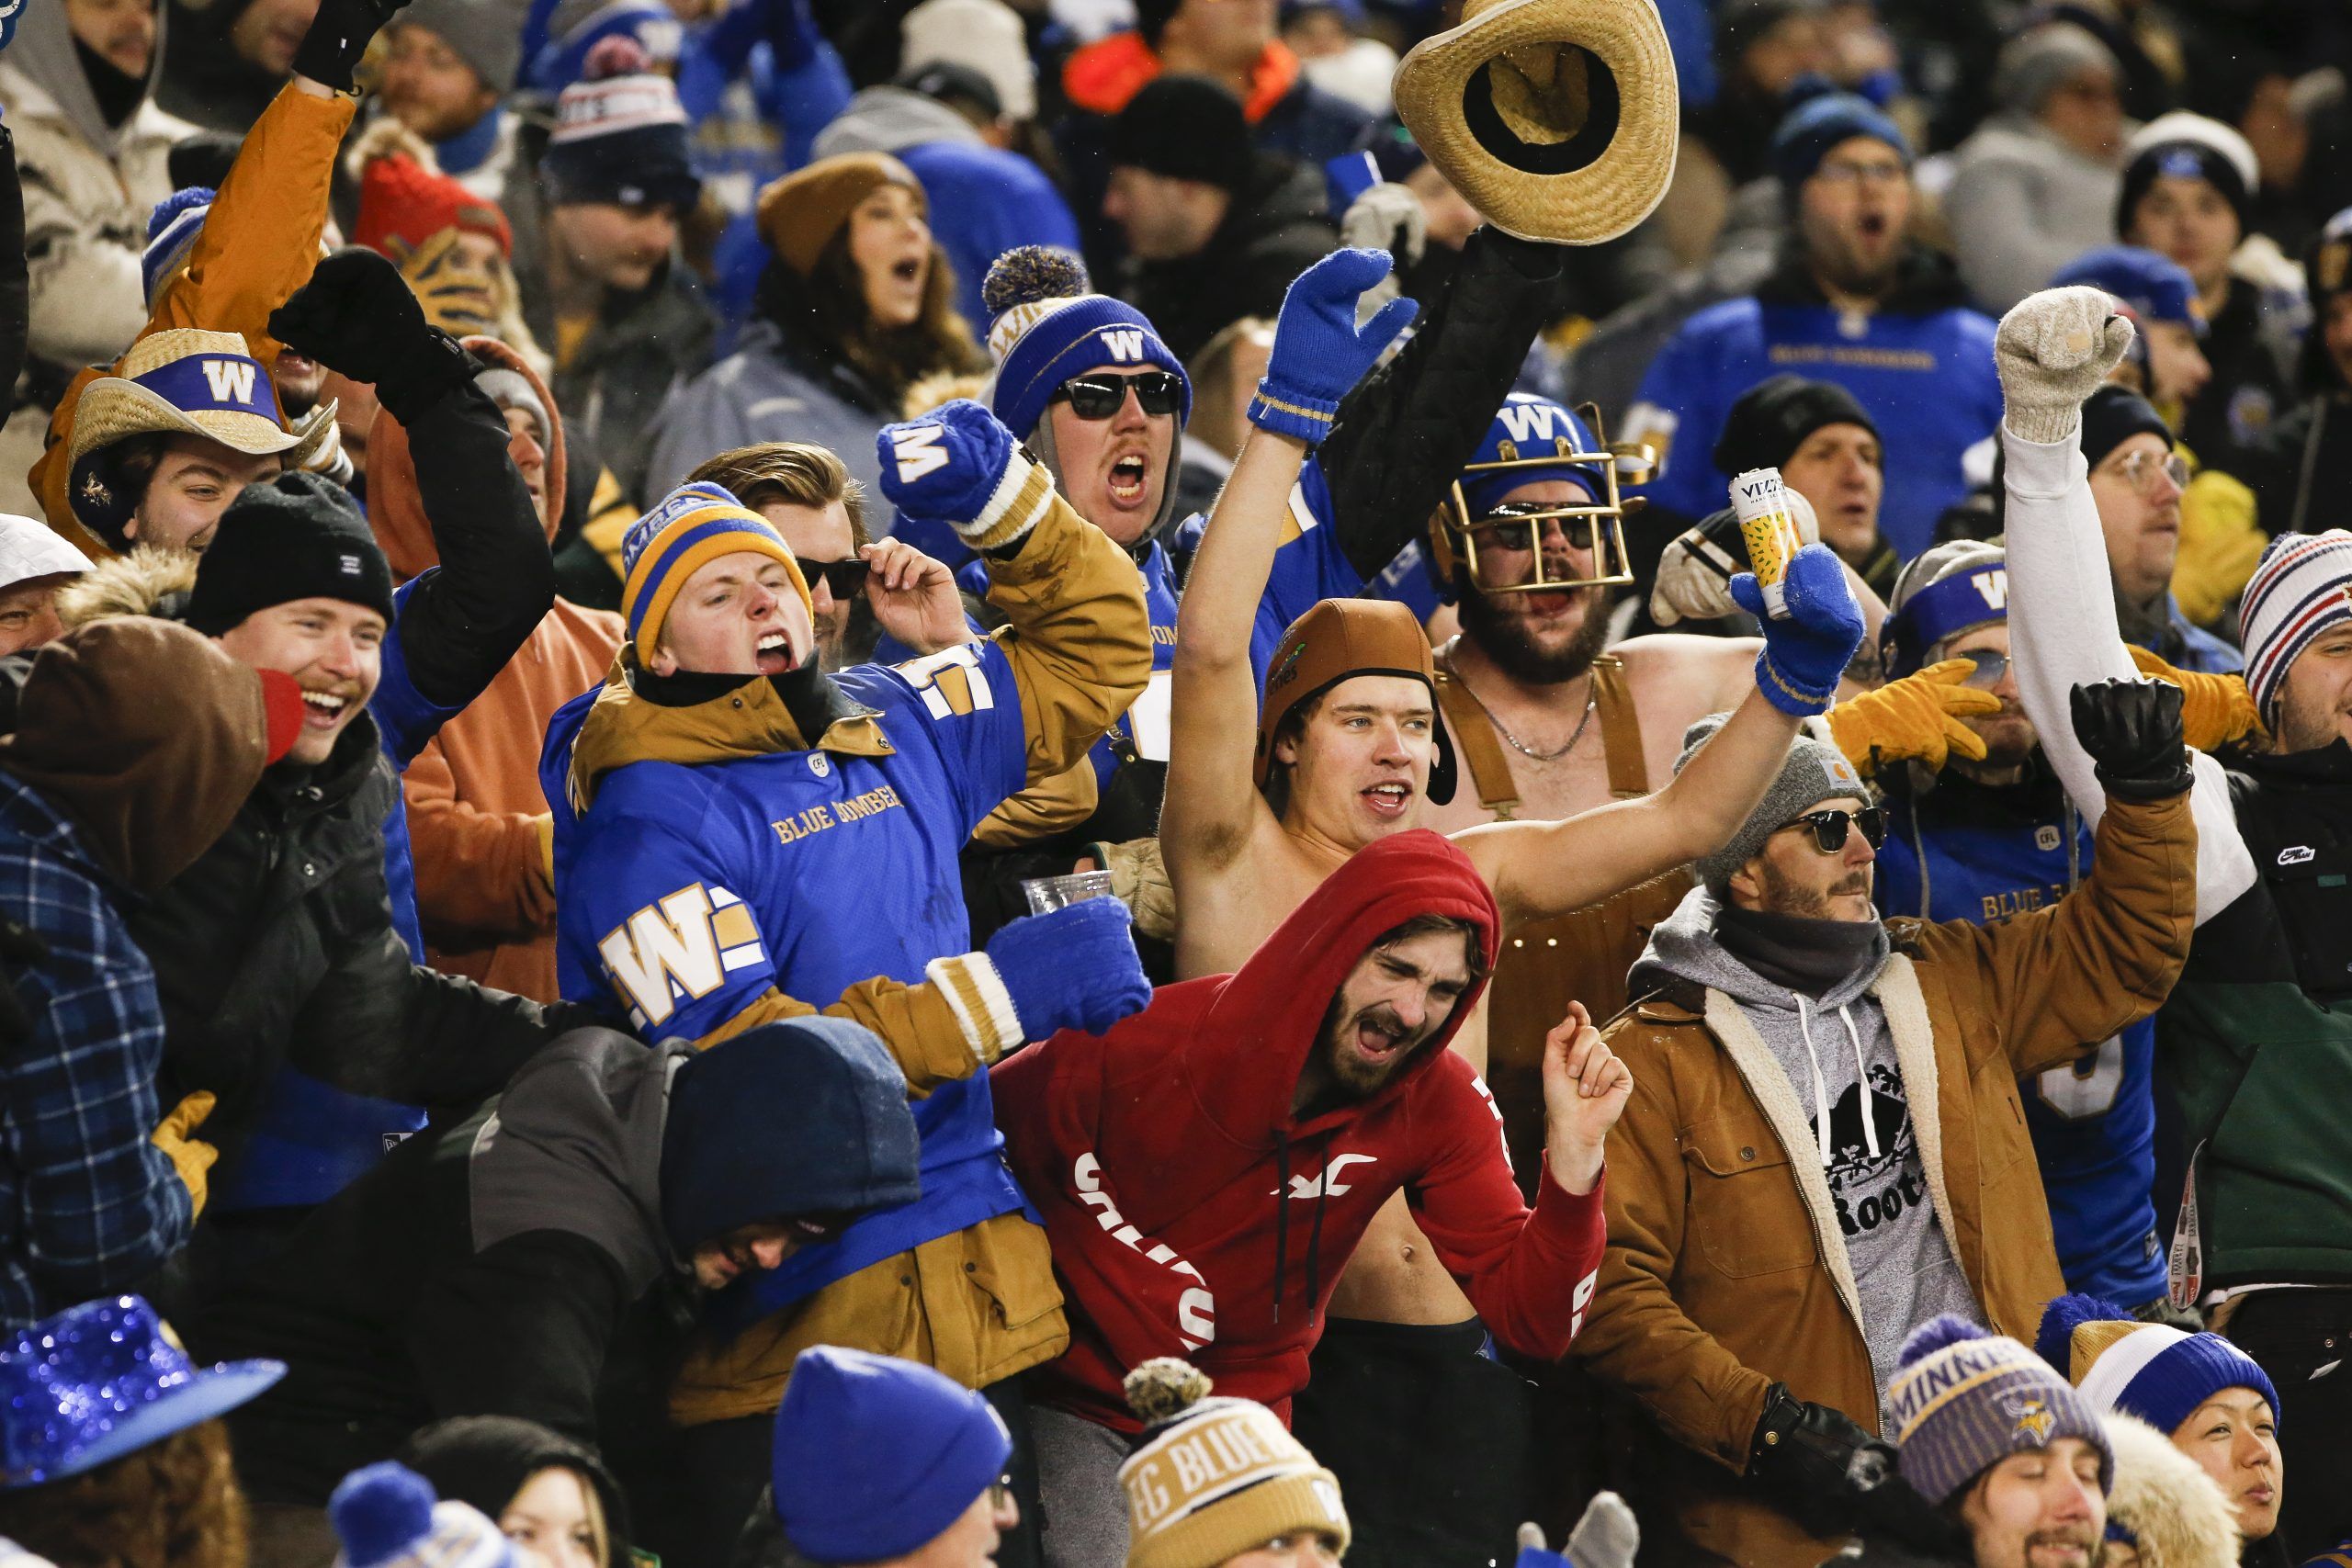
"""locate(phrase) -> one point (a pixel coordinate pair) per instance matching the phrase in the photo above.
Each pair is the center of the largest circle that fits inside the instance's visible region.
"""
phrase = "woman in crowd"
(855, 307)
(546, 1492)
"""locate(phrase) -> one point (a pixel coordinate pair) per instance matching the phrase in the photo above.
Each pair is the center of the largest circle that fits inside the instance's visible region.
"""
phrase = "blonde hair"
(794, 473)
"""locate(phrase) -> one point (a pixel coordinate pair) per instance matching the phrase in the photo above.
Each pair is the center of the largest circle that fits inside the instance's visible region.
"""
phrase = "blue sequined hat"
(103, 1380)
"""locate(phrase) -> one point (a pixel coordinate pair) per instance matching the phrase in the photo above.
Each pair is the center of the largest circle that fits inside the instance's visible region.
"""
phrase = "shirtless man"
(1351, 749)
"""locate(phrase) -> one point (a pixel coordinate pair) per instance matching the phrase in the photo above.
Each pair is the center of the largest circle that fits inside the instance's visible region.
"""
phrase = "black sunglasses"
(1580, 531)
(1099, 396)
(846, 579)
(1830, 828)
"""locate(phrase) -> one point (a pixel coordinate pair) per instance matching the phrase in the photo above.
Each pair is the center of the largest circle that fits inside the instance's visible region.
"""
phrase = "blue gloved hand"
(1075, 968)
(957, 465)
(1318, 352)
(1805, 655)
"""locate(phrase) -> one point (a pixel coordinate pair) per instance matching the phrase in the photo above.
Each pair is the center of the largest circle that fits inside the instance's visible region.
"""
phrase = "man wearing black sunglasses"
(1830, 1148)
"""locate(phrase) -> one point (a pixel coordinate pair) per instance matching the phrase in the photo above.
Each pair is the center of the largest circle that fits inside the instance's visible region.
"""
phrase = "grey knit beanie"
(486, 34)
(1815, 770)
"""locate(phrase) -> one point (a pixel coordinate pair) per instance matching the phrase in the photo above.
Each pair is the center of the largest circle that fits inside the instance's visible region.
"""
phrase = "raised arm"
(1541, 869)
(1319, 353)
(2053, 350)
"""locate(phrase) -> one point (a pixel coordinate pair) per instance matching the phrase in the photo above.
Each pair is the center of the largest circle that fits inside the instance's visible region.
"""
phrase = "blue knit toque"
(1048, 325)
(2150, 1370)
(1808, 131)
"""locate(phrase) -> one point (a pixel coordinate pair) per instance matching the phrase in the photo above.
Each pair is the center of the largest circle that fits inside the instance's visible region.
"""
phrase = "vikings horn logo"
(2034, 1419)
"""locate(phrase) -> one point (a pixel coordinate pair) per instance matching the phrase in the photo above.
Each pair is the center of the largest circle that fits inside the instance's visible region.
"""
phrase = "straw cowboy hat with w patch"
(1556, 119)
(183, 381)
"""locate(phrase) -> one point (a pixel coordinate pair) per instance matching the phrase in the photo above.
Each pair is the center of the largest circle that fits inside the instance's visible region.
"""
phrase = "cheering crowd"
(931, 782)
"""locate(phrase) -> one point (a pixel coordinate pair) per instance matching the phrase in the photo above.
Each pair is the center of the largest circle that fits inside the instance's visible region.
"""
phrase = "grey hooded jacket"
(1840, 1055)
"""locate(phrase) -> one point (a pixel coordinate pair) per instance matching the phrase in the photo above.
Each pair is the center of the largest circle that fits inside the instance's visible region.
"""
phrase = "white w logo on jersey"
(231, 379)
(1125, 344)
(919, 452)
(661, 947)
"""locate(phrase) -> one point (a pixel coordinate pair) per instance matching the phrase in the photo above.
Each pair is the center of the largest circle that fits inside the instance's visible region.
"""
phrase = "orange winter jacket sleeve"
(257, 246)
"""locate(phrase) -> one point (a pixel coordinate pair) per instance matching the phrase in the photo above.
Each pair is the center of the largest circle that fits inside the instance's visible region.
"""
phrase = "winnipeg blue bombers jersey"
(688, 891)
(1989, 854)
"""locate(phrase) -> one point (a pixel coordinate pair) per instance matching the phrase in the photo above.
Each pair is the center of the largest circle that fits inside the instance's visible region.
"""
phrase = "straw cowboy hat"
(1556, 119)
(186, 381)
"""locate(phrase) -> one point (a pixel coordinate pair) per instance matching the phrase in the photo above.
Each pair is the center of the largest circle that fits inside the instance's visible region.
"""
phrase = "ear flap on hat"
(1557, 120)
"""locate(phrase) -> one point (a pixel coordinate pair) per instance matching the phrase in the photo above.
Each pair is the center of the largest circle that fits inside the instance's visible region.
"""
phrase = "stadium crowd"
(1048, 781)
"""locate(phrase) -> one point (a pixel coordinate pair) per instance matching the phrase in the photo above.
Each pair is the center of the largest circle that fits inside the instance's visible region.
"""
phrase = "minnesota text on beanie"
(875, 1457)
(801, 212)
(1210, 1479)
(293, 536)
(694, 525)
(1770, 419)
(1815, 770)
(2149, 1370)
(2302, 587)
(1963, 1399)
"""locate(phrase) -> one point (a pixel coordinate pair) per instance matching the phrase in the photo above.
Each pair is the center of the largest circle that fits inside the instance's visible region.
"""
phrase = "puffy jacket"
(1726, 1269)
(772, 388)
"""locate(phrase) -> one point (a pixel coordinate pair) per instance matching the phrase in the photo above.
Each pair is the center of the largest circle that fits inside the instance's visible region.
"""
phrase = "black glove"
(1803, 1456)
(2132, 730)
(21, 946)
(357, 316)
(1891, 1506)
(339, 35)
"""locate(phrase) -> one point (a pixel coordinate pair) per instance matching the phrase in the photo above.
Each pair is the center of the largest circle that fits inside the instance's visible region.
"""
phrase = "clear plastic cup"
(1047, 894)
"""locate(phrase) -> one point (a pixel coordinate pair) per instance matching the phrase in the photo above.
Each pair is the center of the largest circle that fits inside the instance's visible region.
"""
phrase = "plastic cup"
(1047, 894)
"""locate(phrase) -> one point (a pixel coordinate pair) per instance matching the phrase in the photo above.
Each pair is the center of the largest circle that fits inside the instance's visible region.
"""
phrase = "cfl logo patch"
(232, 381)
(679, 949)
(918, 451)
(1124, 344)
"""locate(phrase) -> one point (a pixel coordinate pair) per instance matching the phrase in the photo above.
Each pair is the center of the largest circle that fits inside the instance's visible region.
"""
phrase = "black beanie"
(2113, 415)
(1185, 128)
(1152, 18)
(807, 1117)
(1772, 418)
(293, 536)
(2187, 160)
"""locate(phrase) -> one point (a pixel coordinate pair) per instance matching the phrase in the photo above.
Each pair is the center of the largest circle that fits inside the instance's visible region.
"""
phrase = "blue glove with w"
(1805, 655)
(1075, 968)
(957, 465)
(1318, 351)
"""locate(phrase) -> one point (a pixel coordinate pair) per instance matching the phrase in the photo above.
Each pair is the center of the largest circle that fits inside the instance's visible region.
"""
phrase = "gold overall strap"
(1621, 729)
(1498, 791)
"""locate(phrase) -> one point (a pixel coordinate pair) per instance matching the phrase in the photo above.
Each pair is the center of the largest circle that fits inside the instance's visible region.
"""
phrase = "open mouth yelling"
(1127, 481)
(773, 653)
(1388, 800)
(1377, 1044)
(908, 270)
(323, 710)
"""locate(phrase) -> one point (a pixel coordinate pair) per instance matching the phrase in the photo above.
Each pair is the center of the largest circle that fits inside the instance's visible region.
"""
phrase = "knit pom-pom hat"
(1210, 1479)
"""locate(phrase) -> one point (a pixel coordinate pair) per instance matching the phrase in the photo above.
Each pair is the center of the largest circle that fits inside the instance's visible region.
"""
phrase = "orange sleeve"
(480, 878)
(257, 246)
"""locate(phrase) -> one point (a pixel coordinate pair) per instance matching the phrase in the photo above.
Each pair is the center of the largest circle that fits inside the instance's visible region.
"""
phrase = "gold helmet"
(1533, 439)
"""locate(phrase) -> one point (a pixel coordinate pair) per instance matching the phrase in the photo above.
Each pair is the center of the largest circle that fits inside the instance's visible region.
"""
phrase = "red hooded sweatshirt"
(1160, 1152)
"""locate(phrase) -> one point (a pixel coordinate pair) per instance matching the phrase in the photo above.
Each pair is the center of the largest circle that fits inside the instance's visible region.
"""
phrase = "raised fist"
(2132, 731)
(2052, 349)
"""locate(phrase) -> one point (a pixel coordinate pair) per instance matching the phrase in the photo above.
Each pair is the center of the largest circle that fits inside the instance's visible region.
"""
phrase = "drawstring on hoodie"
(1281, 1219)
(1314, 1232)
(1821, 1087)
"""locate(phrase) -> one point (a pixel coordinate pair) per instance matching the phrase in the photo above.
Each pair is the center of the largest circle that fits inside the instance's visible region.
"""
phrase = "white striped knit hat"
(2302, 587)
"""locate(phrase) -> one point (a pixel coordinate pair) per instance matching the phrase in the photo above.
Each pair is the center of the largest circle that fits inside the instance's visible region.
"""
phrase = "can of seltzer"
(1768, 528)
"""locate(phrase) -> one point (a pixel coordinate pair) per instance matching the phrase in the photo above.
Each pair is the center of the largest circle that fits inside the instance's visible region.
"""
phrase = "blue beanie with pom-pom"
(1964, 1400)
(172, 228)
(2150, 1370)
(385, 1517)
(1046, 324)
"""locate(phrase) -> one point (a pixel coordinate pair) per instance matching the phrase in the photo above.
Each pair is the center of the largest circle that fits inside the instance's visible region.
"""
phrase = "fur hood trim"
(147, 582)
(2171, 1507)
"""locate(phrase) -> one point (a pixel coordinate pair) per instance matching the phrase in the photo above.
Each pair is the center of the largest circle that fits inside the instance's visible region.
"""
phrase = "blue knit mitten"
(957, 465)
(1318, 352)
(1805, 655)
(1075, 968)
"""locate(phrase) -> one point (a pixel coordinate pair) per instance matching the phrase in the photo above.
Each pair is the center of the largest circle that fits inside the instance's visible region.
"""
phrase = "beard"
(1350, 1076)
(1784, 895)
(1507, 641)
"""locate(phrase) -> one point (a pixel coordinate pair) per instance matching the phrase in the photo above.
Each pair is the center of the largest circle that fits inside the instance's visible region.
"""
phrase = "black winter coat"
(1275, 228)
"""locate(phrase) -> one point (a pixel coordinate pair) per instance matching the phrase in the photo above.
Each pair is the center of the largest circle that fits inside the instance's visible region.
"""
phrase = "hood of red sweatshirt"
(1243, 1058)
(1100, 77)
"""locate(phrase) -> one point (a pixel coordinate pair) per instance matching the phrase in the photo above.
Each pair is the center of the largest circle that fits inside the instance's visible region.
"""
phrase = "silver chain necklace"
(1591, 701)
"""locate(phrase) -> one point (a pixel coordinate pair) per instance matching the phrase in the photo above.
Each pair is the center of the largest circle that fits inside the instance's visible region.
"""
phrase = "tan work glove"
(2052, 349)
(189, 1156)
(2214, 709)
(1140, 881)
(1915, 718)
(1694, 574)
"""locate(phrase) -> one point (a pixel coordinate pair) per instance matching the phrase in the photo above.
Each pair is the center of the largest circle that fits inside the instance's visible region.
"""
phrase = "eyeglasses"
(1099, 396)
(1830, 828)
(2141, 468)
(1990, 667)
(1508, 527)
(844, 578)
(1839, 172)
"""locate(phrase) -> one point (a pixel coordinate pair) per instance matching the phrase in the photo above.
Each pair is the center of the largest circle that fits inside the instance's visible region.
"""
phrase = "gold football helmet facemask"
(1536, 438)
